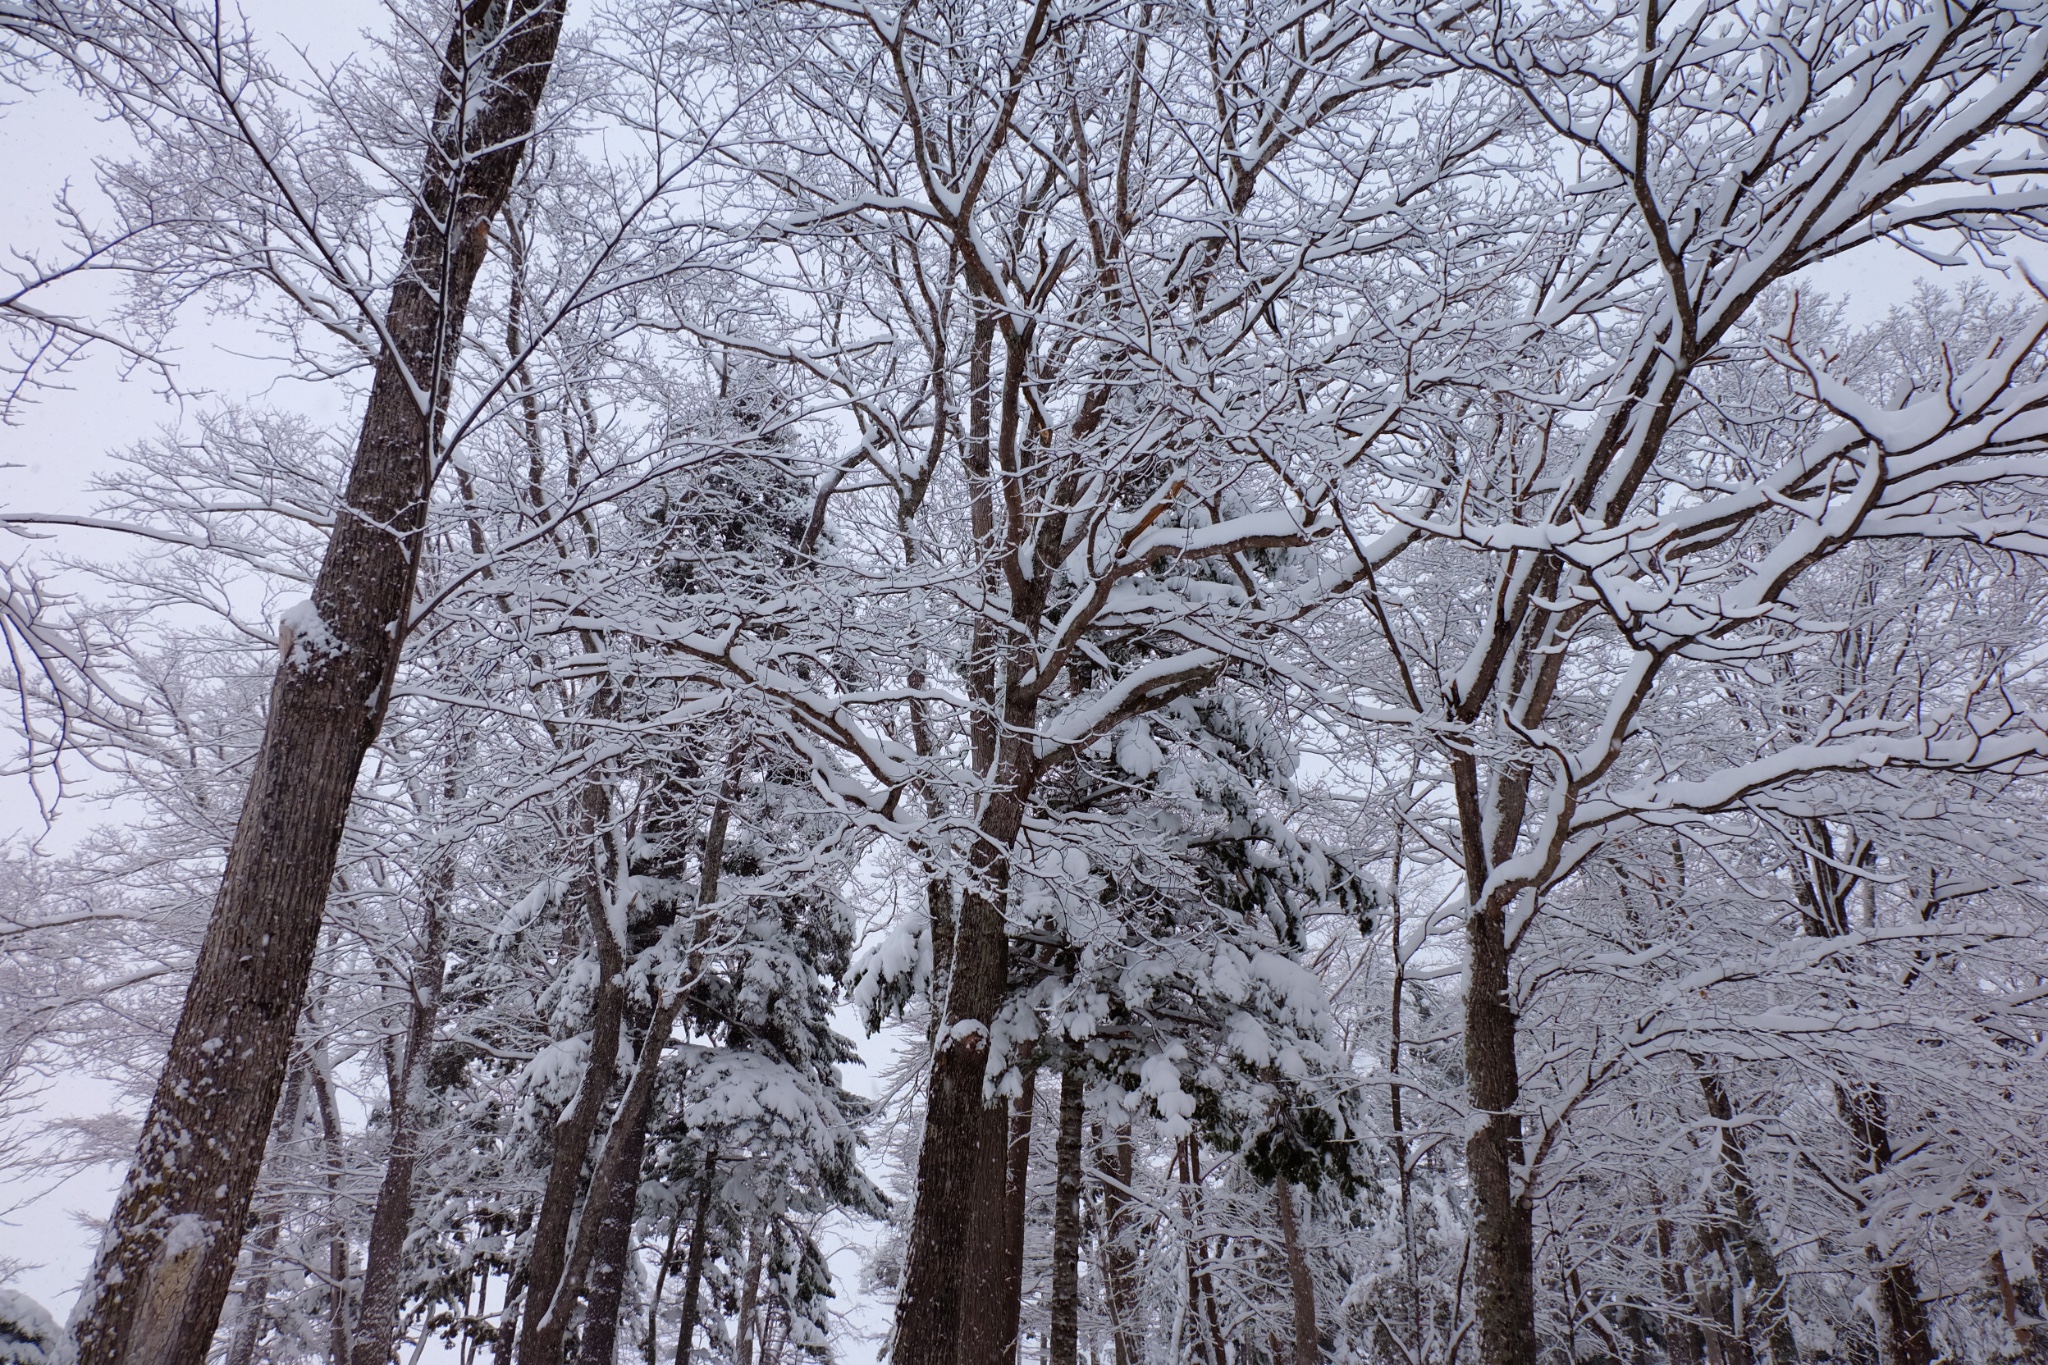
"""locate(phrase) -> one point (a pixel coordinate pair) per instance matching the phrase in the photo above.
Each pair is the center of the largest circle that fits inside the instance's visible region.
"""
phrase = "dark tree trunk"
(1301, 1286)
(540, 1338)
(1064, 1345)
(1503, 1233)
(1119, 1257)
(597, 1263)
(1015, 1200)
(1754, 1254)
(953, 1281)
(384, 1265)
(693, 1277)
(155, 1294)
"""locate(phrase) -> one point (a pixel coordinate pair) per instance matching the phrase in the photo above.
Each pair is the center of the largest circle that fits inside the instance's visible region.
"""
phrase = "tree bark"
(1301, 1286)
(750, 1298)
(376, 1326)
(256, 1292)
(1064, 1344)
(599, 1259)
(539, 1339)
(1759, 1262)
(693, 1278)
(953, 1272)
(1015, 1200)
(155, 1294)
(1503, 1233)
(1119, 1257)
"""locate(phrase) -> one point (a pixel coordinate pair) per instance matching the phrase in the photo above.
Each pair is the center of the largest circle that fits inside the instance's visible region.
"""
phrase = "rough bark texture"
(383, 1270)
(1064, 1346)
(1301, 1286)
(1015, 1211)
(954, 1274)
(163, 1272)
(1503, 1234)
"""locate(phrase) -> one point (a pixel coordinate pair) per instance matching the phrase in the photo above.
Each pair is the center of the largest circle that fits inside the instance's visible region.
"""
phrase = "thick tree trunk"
(953, 1282)
(1064, 1344)
(155, 1294)
(1503, 1232)
(1301, 1286)
(383, 1270)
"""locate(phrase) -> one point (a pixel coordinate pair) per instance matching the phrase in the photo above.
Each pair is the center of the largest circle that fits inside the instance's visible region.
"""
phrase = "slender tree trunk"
(668, 1255)
(337, 1227)
(1301, 1286)
(383, 1271)
(750, 1298)
(1758, 1260)
(600, 1257)
(1503, 1232)
(1064, 1344)
(599, 1260)
(1015, 1210)
(155, 1294)
(693, 1278)
(256, 1292)
(1119, 1257)
(539, 1339)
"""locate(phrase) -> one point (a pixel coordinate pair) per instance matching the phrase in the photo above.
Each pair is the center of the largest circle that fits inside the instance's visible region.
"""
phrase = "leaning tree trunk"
(155, 1294)
(602, 1252)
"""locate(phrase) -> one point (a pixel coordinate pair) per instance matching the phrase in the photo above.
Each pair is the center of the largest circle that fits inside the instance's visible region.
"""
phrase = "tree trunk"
(1015, 1198)
(1064, 1345)
(337, 1228)
(693, 1278)
(953, 1280)
(750, 1298)
(599, 1260)
(539, 1337)
(155, 1294)
(1759, 1262)
(1119, 1257)
(1301, 1286)
(256, 1292)
(383, 1270)
(1503, 1233)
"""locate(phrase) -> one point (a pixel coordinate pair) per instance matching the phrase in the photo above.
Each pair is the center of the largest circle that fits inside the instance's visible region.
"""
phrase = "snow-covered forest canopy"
(1413, 744)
